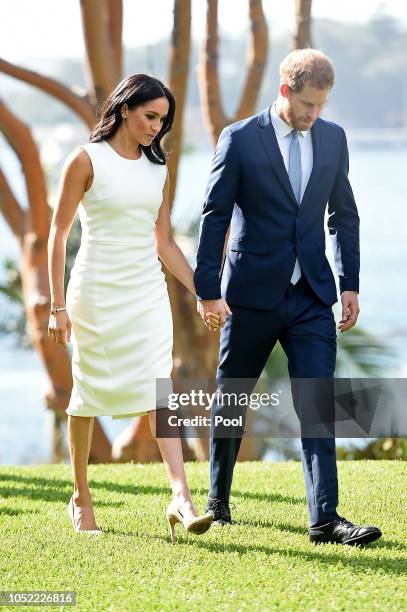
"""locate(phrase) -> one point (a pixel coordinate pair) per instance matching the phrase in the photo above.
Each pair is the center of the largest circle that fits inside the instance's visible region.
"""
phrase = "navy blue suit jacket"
(249, 187)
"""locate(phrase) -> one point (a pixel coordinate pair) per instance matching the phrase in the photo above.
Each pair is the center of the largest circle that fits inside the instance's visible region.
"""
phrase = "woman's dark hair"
(134, 91)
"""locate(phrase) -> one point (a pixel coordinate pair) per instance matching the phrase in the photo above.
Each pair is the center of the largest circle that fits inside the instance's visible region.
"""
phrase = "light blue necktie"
(295, 175)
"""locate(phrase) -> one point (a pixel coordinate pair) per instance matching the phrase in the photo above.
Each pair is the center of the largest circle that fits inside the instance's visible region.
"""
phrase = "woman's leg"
(80, 431)
(171, 453)
(92, 423)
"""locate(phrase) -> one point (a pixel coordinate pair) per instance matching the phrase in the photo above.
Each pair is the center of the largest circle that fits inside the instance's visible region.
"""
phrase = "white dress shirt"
(283, 131)
(283, 135)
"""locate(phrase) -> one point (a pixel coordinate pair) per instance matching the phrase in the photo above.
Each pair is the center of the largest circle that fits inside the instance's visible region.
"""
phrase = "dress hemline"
(123, 415)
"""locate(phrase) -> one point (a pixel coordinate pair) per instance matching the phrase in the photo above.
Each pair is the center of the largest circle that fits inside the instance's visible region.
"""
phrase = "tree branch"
(20, 139)
(208, 74)
(34, 269)
(302, 32)
(179, 68)
(11, 209)
(115, 27)
(215, 116)
(257, 58)
(76, 103)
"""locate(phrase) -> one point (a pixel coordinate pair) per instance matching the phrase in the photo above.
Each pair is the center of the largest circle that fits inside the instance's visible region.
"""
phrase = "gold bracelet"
(55, 310)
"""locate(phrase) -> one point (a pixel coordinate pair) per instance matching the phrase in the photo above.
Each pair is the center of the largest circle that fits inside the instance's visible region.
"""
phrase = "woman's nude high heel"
(192, 524)
(77, 513)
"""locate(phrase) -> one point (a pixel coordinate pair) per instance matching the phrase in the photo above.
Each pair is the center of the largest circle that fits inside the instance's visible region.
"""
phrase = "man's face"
(301, 109)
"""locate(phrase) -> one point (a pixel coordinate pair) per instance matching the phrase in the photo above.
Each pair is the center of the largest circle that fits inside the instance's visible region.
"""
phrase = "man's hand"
(350, 310)
(209, 309)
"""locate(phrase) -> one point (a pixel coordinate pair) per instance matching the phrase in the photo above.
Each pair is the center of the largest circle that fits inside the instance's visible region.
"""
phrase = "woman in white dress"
(117, 312)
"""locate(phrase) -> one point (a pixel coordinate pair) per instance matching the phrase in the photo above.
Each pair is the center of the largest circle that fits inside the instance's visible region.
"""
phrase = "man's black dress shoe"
(220, 511)
(341, 531)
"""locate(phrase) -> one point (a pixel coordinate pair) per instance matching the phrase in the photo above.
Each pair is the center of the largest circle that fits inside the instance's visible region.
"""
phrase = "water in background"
(378, 181)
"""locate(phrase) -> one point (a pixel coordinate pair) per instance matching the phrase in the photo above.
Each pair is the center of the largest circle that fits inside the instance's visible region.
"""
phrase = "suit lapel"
(316, 160)
(269, 140)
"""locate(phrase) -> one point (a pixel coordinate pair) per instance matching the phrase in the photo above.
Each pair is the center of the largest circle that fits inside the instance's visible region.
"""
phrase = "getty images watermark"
(204, 400)
(285, 408)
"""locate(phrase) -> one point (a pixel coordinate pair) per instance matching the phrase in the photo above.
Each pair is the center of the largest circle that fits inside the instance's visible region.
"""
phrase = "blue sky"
(49, 28)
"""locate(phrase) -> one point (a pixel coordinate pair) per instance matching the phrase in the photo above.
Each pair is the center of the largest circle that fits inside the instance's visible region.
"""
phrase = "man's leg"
(309, 342)
(247, 340)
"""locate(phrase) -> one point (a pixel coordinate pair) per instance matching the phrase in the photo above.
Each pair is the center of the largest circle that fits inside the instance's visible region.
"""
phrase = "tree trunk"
(115, 29)
(11, 209)
(34, 268)
(302, 31)
(101, 30)
(178, 81)
(187, 325)
(102, 21)
(32, 229)
(214, 114)
(216, 118)
(189, 332)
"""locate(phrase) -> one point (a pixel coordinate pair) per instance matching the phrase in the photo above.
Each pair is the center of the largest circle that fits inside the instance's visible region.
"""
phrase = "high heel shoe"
(81, 512)
(192, 524)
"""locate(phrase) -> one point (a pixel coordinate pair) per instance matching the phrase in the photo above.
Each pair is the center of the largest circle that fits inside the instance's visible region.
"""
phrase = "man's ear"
(284, 90)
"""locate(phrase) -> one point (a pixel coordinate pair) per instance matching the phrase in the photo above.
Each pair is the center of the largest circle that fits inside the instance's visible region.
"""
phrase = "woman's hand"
(212, 321)
(213, 312)
(59, 328)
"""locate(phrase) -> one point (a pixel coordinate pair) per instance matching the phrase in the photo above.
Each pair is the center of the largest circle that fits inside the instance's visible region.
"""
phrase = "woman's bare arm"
(170, 253)
(76, 178)
(167, 249)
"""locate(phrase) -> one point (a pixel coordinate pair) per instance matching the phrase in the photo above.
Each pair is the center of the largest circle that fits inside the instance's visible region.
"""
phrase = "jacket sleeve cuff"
(348, 284)
(208, 296)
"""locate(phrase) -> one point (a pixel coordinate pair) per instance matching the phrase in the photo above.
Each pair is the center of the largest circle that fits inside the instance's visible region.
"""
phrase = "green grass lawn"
(262, 562)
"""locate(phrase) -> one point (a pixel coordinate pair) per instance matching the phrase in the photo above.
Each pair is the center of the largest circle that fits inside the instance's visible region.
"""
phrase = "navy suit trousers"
(305, 328)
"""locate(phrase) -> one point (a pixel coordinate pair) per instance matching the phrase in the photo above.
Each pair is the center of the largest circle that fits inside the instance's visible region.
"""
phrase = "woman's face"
(145, 121)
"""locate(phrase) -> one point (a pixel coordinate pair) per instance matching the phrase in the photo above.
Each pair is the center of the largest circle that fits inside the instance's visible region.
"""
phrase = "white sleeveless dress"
(117, 296)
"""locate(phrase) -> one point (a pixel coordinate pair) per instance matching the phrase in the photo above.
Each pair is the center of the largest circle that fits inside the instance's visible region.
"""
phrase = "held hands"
(213, 313)
(59, 328)
(350, 310)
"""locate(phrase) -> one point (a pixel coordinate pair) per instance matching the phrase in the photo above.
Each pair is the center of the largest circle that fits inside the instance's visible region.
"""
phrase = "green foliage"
(382, 448)
(262, 562)
(12, 285)
(362, 354)
(13, 315)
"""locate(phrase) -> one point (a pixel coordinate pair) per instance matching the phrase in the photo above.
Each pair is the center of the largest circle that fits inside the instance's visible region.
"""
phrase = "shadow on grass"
(51, 495)
(303, 531)
(270, 525)
(16, 511)
(322, 555)
(58, 490)
(49, 489)
(269, 497)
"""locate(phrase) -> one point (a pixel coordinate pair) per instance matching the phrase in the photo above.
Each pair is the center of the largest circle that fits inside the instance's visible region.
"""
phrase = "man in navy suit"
(272, 177)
